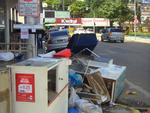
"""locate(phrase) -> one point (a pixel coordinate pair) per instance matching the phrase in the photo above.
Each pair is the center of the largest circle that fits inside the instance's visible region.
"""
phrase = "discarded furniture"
(40, 85)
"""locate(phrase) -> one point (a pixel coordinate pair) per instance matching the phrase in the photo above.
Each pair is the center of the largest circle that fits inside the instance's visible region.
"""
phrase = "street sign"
(29, 8)
(24, 33)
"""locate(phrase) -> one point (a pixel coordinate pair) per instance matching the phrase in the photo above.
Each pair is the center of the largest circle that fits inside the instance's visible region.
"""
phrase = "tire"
(102, 39)
(115, 41)
(122, 41)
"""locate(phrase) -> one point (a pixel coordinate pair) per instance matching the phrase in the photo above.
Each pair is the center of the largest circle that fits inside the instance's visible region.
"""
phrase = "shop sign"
(95, 22)
(50, 20)
(25, 89)
(68, 21)
(62, 14)
(28, 1)
(24, 33)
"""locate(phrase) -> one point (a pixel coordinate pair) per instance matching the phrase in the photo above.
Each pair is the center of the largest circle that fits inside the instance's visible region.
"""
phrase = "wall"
(4, 91)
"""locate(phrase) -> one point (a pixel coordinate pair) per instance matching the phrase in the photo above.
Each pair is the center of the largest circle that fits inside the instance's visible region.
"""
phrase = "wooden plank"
(97, 83)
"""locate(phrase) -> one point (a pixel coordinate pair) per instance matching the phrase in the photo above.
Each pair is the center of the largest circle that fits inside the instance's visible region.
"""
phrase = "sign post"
(30, 9)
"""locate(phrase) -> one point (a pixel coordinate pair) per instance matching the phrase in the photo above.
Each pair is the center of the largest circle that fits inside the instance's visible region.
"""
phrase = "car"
(78, 42)
(57, 40)
(112, 35)
(79, 31)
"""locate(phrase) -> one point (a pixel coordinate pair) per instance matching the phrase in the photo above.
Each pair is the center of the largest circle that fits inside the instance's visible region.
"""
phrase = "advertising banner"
(68, 21)
(99, 22)
(25, 89)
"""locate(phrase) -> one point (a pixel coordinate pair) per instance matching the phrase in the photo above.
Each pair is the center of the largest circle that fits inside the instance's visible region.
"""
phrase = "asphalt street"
(134, 55)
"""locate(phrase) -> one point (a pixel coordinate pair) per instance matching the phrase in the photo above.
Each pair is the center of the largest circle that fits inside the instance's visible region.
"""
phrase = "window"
(115, 30)
(49, 14)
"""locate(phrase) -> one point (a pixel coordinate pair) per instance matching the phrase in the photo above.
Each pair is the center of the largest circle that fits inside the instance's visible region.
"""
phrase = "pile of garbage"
(95, 84)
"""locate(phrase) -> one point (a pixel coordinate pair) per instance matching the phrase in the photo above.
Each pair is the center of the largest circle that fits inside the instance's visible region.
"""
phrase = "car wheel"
(114, 41)
(122, 41)
(102, 39)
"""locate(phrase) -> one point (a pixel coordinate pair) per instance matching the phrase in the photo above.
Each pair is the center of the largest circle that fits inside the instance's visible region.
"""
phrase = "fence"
(17, 48)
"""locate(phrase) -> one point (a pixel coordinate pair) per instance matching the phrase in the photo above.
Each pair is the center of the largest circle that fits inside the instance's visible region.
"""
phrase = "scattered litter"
(129, 92)
(75, 79)
(87, 107)
(47, 55)
(73, 97)
(6, 56)
(73, 110)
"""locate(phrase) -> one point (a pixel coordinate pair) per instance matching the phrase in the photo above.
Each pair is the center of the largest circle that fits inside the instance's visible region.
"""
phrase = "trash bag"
(6, 56)
(75, 79)
(79, 42)
(87, 107)
(73, 97)
(73, 110)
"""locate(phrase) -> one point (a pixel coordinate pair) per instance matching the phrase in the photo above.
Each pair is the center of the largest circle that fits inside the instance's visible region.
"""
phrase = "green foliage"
(52, 1)
(78, 8)
(115, 10)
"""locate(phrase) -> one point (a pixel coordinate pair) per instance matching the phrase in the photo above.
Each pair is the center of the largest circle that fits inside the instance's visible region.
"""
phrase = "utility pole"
(94, 21)
(63, 5)
(135, 19)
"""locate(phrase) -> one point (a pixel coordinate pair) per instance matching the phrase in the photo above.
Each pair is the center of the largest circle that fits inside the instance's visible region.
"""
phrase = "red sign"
(25, 89)
(28, 0)
(68, 21)
(136, 21)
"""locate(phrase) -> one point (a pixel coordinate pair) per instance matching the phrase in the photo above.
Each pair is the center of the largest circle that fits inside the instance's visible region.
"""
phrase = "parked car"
(81, 41)
(113, 34)
(57, 40)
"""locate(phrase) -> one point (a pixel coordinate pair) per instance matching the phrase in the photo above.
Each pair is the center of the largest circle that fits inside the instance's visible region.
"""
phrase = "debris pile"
(95, 85)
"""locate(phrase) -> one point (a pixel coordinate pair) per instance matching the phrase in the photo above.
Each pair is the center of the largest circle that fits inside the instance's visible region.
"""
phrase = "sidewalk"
(137, 39)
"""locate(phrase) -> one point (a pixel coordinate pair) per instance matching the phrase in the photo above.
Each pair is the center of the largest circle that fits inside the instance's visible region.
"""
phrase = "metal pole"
(63, 5)
(94, 22)
(135, 19)
(32, 51)
(7, 27)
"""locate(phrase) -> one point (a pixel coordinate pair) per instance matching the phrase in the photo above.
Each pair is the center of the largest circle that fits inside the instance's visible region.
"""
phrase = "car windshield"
(115, 30)
(59, 33)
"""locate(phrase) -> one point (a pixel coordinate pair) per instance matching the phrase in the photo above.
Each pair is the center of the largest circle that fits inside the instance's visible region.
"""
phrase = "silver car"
(57, 40)
(113, 35)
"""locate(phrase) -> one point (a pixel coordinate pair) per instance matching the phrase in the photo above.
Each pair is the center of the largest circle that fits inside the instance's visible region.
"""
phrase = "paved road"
(134, 55)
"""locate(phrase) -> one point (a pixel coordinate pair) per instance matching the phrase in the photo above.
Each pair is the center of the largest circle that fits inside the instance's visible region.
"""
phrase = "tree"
(78, 9)
(115, 10)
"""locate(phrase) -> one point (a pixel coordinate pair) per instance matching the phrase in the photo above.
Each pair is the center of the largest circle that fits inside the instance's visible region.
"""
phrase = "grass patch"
(139, 34)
